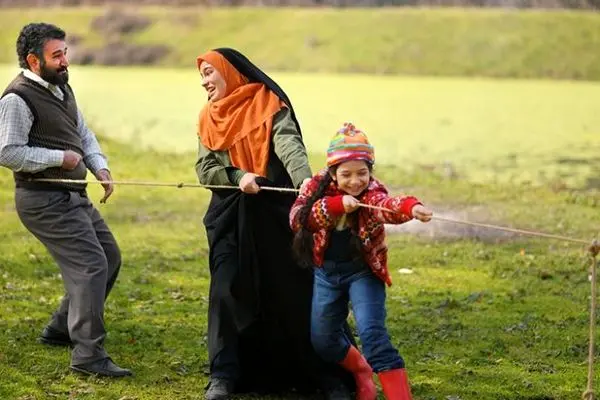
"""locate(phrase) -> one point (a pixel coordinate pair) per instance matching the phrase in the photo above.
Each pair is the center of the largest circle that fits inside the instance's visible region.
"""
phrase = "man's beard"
(58, 76)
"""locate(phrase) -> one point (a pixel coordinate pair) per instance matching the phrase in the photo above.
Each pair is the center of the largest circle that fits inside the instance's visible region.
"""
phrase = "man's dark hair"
(32, 39)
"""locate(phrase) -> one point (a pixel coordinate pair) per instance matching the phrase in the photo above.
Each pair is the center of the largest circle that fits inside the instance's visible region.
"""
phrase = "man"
(43, 136)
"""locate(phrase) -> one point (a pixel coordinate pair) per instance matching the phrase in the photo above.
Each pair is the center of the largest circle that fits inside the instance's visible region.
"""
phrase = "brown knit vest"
(54, 127)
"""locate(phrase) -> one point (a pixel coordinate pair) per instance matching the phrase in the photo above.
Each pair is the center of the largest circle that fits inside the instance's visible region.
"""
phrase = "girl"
(346, 244)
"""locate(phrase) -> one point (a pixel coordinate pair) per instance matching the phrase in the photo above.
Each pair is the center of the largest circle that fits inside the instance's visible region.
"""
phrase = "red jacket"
(327, 210)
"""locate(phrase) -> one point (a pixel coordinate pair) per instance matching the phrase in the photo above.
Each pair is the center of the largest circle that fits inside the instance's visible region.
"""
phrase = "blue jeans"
(336, 284)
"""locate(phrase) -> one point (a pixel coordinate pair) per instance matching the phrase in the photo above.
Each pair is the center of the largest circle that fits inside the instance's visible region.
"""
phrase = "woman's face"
(212, 81)
(352, 177)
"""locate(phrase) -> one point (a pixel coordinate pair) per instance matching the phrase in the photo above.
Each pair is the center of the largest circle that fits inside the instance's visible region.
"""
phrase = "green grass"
(543, 132)
(476, 320)
(464, 42)
(500, 318)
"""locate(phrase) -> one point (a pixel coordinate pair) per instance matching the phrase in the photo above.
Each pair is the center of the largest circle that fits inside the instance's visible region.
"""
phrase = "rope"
(594, 249)
(163, 184)
(501, 228)
(589, 393)
(291, 190)
(513, 230)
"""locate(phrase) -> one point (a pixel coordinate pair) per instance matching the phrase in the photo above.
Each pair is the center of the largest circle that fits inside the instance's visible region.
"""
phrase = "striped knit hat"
(349, 144)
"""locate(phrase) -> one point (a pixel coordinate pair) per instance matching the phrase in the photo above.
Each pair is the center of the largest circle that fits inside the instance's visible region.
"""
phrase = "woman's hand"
(421, 213)
(248, 183)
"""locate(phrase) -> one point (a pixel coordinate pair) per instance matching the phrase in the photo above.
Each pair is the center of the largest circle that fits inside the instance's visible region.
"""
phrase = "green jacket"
(214, 167)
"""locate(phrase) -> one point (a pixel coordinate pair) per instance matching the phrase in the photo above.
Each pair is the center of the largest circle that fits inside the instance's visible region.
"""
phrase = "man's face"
(53, 67)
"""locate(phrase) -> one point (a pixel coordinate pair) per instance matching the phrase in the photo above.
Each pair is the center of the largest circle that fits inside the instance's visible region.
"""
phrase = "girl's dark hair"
(302, 245)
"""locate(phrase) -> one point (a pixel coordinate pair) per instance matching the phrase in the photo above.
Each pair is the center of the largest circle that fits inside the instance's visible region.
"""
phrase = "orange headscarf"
(241, 121)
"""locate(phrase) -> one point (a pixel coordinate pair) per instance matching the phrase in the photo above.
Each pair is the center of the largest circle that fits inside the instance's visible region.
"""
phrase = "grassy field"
(492, 42)
(481, 317)
(487, 130)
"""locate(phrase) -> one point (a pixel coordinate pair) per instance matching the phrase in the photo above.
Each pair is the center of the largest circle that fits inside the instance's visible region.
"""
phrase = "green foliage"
(479, 315)
(454, 41)
(517, 131)
(490, 318)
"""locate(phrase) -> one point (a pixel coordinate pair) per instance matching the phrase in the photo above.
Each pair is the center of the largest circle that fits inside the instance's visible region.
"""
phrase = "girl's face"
(352, 177)
(212, 81)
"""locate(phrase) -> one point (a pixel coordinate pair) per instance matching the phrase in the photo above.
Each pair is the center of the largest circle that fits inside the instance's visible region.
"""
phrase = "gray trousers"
(89, 259)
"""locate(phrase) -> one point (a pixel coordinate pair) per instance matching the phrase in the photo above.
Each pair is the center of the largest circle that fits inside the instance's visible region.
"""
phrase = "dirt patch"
(436, 229)
(576, 4)
(120, 53)
(115, 22)
(115, 26)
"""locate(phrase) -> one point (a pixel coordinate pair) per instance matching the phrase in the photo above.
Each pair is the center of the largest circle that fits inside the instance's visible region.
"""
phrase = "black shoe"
(104, 367)
(219, 389)
(52, 337)
(338, 392)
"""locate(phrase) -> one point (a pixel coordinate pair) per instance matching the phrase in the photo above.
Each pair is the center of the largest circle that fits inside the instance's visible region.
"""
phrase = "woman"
(259, 303)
